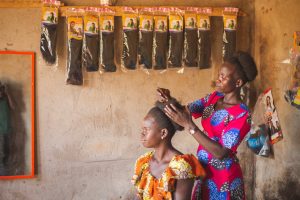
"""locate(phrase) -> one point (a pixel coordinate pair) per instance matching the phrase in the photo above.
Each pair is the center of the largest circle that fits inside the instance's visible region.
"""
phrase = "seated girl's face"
(151, 133)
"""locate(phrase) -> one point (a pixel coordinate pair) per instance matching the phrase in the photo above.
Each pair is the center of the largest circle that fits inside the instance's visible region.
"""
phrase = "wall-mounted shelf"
(216, 11)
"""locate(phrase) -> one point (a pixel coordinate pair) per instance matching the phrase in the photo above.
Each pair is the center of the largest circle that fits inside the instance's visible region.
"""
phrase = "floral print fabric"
(180, 167)
(228, 127)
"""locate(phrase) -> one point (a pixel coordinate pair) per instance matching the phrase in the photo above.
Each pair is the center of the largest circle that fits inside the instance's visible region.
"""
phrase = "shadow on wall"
(17, 140)
(288, 188)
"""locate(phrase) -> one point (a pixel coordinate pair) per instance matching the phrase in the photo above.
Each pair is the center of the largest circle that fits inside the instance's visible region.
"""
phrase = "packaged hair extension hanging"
(176, 38)
(204, 34)
(90, 50)
(130, 39)
(107, 38)
(190, 38)
(49, 31)
(258, 138)
(271, 117)
(160, 41)
(75, 36)
(229, 35)
(145, 38)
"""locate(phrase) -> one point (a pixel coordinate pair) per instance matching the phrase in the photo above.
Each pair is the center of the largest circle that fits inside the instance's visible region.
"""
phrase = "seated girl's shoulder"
(186, 166)
(183, 159)
(145, 158)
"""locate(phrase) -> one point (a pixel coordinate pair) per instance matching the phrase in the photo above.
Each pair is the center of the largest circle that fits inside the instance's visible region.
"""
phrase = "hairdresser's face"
(150, 135)
(226, 81)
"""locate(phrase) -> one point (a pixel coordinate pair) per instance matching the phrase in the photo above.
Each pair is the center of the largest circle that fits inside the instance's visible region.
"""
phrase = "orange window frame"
(32, 173)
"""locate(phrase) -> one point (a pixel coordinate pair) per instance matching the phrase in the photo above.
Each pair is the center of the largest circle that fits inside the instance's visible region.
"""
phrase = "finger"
(174, 107)
(169, 113)
(170, 109)
(167, 109)
(170, 116)
(187, 110)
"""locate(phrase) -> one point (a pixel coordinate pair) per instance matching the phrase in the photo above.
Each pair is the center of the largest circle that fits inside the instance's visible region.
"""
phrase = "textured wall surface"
(278, 177)
(87, 137)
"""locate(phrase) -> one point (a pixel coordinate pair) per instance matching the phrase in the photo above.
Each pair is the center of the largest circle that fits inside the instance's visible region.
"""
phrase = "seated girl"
(164, 173)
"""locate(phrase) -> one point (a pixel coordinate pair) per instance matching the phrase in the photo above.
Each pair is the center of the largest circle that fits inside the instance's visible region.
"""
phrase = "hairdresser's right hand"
(163, 95)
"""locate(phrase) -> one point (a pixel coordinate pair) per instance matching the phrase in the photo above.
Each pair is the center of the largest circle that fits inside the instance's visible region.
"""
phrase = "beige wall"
(275, 22)
(87, 137)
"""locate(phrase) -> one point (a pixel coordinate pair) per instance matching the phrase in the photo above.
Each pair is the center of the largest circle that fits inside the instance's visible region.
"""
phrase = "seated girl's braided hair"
(162, 119)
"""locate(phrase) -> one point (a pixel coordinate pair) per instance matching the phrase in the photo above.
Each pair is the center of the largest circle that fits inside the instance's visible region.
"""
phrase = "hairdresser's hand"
(163, 95)
(181, 117)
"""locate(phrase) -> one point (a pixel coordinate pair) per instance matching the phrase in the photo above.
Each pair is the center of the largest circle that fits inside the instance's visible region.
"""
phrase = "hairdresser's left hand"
(181, 117)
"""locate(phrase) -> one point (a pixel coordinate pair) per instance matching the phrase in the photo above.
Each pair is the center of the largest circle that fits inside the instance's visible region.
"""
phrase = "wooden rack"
(216, 11)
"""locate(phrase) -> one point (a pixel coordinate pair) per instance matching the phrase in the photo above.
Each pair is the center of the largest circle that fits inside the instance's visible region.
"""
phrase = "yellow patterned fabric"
(180, 167)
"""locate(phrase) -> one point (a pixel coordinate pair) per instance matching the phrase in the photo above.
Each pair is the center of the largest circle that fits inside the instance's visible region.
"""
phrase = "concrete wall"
(275, 22)
(87, 137)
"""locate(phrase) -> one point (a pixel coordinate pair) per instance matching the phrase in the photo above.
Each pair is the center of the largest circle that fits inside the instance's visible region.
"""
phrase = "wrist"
(192, 128)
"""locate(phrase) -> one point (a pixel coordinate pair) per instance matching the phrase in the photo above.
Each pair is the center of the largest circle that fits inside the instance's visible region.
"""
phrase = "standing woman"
(164, 173)
(225, 121)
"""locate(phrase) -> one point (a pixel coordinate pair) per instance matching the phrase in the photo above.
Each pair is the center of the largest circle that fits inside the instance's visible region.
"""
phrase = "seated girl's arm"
(183, 189)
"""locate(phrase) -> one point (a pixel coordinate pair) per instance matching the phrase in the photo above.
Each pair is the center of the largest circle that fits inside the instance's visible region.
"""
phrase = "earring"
(162, 137)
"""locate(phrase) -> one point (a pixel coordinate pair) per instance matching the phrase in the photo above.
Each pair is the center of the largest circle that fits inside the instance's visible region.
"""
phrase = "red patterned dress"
(228, 127)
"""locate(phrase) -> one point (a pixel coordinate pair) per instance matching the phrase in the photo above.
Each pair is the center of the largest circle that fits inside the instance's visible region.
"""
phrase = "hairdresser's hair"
(245, 65)
(162, 119)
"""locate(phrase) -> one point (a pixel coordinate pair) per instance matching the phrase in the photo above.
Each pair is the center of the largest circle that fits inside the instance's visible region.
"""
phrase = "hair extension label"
(107, 23)
(75, 26)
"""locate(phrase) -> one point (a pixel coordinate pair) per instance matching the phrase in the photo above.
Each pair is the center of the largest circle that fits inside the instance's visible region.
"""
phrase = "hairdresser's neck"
(233, 97)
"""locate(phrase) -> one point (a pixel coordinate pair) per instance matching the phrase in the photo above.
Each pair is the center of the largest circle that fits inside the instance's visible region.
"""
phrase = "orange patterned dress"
(180, 167)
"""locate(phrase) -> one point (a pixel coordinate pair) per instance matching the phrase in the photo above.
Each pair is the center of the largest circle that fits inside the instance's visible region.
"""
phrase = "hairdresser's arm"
(183, 118)
(183, 189)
